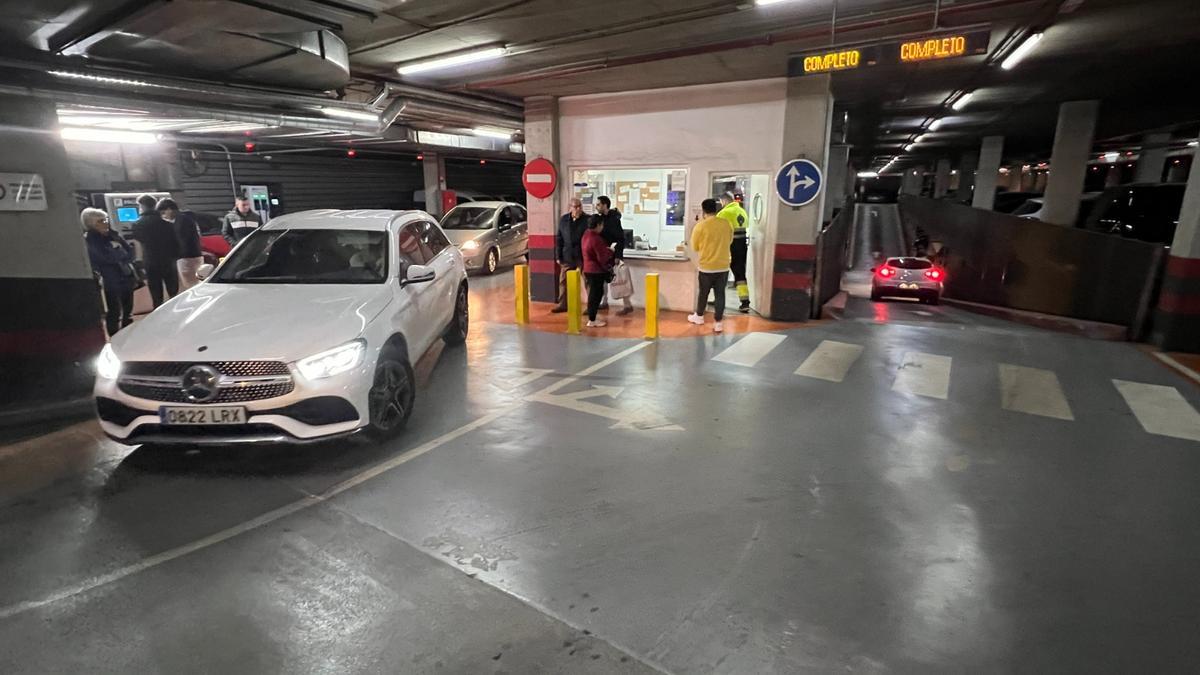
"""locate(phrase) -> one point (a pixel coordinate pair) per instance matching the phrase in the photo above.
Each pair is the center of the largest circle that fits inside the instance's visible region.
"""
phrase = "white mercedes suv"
(306, 331)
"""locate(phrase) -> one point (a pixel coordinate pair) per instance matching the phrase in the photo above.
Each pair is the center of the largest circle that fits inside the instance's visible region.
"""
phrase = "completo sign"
(22, 192)
(936, 48)
(931, 48)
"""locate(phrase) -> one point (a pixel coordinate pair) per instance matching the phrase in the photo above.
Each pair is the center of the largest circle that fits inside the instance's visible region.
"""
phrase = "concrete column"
(990, 154)
(789, 254)
(541, 140)
(434, 166)
(968, 164)
(941, 179)
(1152, 158)
(1177, 321)
(1068, 160)
(835, 179)
(50, 327)
(911, 183)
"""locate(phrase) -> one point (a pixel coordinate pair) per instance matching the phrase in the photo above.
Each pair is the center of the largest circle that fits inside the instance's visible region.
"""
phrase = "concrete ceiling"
(1134, 56)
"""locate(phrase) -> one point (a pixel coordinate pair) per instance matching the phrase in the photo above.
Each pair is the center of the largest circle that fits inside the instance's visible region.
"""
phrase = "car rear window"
(910, 263)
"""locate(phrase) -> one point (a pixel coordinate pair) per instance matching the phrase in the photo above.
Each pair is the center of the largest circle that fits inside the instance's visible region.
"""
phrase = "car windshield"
(469, 218)
(1031, 206)
(308, 256)
(910, 263)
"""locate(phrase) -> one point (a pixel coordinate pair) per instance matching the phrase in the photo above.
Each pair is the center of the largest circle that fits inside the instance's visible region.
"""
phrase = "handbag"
(621, 286)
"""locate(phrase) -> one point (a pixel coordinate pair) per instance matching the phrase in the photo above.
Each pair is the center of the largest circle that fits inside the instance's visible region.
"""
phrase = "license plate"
(227, 415)
(908, 287)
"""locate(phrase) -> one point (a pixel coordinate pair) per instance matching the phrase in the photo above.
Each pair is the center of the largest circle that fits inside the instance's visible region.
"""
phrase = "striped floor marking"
(1161, 410)
(924, 375)
(1033, 391)
(830, 361)
(750, 349)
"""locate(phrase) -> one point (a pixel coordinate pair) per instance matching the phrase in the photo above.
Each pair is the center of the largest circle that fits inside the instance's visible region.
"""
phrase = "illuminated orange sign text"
(824, 63)
(939, 48)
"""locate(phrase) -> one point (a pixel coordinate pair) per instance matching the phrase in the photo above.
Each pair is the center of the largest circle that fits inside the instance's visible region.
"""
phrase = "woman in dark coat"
(112, 259)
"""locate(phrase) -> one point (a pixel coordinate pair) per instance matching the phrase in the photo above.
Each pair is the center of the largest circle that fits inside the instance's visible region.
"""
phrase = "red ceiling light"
(483, 161)
(248, 146)
(351, 153)
(420, 157)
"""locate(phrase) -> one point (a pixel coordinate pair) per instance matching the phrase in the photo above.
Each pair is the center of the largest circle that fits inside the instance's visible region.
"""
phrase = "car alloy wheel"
(492, 262)
(392, 396)
(456, 332)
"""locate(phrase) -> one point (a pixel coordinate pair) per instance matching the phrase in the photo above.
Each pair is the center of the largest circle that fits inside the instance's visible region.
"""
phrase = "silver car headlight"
(470, 245)
(332, 361)
(108, 366)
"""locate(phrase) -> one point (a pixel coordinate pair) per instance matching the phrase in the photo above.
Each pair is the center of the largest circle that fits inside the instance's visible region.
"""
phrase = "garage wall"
(496, 179)
(305, 181)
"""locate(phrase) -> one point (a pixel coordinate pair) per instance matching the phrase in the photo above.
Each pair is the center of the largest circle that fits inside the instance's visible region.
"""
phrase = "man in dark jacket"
(613, 233)
(241, 221)
(191, 255)
(568, 248)
(160, 250)
(112, 259)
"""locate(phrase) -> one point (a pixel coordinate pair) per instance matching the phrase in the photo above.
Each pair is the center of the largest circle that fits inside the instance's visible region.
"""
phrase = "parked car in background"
(1032, 209)
(1144, 211)
(307, 331)
(489, 234)
(1007, 202)
(212, 242)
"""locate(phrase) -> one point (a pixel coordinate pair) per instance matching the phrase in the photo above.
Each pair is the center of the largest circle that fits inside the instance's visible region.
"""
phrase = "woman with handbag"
(112, 260)
(597, 268)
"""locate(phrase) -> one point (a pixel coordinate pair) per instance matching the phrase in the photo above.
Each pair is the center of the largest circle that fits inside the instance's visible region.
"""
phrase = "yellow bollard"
(573, 305)
(521, 279)
(652, 306)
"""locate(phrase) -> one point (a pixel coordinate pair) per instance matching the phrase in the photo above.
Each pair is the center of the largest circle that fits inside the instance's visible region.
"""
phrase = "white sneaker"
(717, 327)
(696, 319)
(598, 323)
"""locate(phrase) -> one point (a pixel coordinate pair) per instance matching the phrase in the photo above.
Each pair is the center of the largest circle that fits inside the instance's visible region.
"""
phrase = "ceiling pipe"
(388, 88)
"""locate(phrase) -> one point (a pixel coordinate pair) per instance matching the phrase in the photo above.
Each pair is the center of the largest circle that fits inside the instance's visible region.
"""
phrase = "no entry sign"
(540, 178)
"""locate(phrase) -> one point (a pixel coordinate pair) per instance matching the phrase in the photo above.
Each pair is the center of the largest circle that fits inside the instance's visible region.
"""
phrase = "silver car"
(489, 234)
(908, 278)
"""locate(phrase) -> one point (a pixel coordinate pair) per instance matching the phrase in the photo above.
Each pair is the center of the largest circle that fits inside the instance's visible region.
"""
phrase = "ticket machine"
(123, 209)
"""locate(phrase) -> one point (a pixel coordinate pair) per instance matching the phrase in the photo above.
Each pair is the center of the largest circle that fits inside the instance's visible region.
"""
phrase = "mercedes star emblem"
(200, 384)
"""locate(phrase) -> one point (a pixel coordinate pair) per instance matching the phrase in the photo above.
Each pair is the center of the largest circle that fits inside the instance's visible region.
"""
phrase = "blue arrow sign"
(798, 182)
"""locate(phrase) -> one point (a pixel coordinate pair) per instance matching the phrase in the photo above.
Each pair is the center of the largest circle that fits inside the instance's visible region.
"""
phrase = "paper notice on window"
(650, 206)
(22, 192)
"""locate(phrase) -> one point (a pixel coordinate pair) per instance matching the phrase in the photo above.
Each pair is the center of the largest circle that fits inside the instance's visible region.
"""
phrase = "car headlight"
(332, 361)
(108, 365)
(470, 245)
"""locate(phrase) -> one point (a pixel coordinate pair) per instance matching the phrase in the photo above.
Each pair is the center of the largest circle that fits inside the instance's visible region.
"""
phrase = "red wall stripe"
(541, 241)
(1183, 268)
(1178, 303)
(542, 266)
(795, 251)
(74, 342)
(792, 281)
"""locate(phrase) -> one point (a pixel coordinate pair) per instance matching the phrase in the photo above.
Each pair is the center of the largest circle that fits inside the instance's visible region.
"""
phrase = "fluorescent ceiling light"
(920, 139)
(493, 132)
(357, 115)
(1021, 52)
(909, 147)
(762, 3)
(1111, 157)
(933, 126)
(868, 174)
(66, 74)
(1193, 144)
(963, 100)
(459, 59)
(107, 135)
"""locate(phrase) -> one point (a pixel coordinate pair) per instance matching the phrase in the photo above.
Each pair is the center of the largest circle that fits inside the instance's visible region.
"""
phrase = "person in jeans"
(112, 259)
(568, 247)
(597, 265)
(614, 234)
(160, 250)
(191, 256)
(710, 240)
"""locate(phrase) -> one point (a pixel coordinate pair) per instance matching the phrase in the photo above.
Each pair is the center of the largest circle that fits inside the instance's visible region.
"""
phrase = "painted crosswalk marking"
(1161, 410)
(750, 349)
(830, 361)
(924, 375)
(1033, 391)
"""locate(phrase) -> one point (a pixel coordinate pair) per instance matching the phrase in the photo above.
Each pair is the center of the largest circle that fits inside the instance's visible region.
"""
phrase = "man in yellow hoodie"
(710, 240)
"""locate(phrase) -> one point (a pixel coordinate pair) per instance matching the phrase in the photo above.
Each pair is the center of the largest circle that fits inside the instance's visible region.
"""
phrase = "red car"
(212, 242)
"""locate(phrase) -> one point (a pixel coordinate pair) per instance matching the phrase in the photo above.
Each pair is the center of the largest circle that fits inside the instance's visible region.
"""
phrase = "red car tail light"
(935, 274)
(886, 272)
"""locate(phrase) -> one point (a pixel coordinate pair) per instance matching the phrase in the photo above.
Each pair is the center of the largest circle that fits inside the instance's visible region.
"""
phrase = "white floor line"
(298, 505)
(1161, 410)
(1033, 391)
(830, 361)
(924, 375)
(750, 349)
(1183, 370)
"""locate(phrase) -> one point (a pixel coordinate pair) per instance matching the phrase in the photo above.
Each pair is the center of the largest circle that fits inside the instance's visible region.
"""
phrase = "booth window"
(652, 202)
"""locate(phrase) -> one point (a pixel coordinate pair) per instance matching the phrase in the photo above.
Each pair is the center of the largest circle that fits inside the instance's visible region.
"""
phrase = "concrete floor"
(590, 505)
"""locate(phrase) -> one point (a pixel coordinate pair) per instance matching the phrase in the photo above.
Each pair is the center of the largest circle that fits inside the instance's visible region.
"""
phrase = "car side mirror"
(418, 274)
(204, 271)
